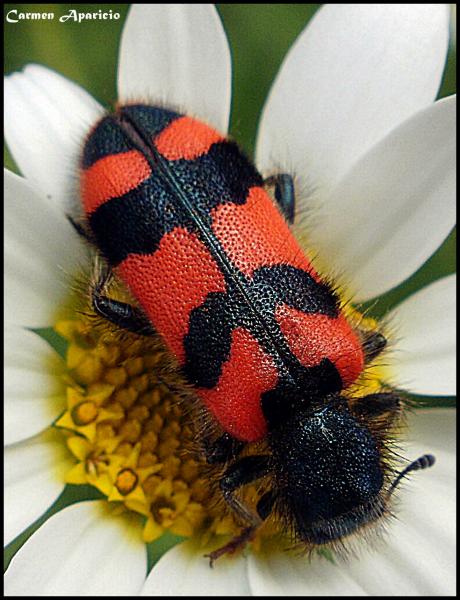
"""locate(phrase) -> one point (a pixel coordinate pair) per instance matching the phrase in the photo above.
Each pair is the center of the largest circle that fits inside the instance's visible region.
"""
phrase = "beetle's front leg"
(222, 450)
(384, 407)
(244, 471)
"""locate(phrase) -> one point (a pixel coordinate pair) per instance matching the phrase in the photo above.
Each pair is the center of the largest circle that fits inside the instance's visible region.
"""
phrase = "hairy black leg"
(243, 471)
(81, 230)
(376, 405)
(373, 344)
(284, 194)
(265, 504)
(222, 450)
(237, 542)
(119, 313)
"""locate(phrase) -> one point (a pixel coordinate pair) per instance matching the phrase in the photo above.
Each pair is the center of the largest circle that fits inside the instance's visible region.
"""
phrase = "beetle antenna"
(423, 462)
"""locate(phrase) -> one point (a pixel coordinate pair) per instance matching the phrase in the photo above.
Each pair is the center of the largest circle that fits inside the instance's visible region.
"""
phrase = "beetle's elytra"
(183, 218)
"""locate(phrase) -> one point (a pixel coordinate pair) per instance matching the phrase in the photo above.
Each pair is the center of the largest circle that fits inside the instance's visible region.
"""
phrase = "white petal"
(42, 252)
(80, 551)
(284, 574)
(395, 207)
(177, 55)
(357, 71)
(417, 556)
(184, 571)
(34, 478)
(34, 393)
(46, 119)
(425, 349)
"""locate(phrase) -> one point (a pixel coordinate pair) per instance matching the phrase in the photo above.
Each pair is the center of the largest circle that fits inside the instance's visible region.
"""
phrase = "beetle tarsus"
(233, 545)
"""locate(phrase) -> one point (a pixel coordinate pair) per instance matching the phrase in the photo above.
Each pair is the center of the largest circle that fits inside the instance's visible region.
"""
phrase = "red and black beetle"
(184, 219)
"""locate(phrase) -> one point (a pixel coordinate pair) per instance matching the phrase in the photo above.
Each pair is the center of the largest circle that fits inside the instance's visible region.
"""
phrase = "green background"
(259, 35)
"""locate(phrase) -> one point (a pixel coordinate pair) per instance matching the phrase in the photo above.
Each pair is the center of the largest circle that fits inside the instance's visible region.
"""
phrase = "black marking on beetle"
(289, 396)
(208, 341)
(150, 119)
(182, 193)
(284, 194)
(298, 289)
(105, 140)
(108, 137)
(136, 222)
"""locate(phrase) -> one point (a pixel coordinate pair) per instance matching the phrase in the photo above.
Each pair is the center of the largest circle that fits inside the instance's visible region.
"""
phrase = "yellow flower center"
(129, 435)
(84, 413)
(126, 481)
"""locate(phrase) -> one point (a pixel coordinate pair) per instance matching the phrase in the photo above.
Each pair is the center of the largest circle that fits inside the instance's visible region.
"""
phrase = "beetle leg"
(222, 450)
(81, 230)
(243, 471)
(119, 313)
(266, 504)
(373, 344)
(284, 194)
(373, 406)
(236, 542)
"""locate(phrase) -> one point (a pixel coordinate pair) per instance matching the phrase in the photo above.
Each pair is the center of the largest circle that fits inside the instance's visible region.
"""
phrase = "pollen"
(84, 413)
(126, 481)
(126, 426)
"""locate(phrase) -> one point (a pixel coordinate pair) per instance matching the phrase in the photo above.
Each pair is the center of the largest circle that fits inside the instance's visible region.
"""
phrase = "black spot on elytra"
(208, 341)
(178, 193)
(182, 193)
(109, 138)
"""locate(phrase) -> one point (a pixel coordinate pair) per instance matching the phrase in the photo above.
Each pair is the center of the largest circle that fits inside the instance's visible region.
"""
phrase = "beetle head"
(328, 473)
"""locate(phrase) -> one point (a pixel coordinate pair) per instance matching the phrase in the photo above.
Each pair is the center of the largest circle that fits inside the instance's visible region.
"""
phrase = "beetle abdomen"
(182, 217)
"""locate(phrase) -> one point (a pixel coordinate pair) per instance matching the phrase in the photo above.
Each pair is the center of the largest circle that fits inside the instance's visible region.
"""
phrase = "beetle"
(183, 218)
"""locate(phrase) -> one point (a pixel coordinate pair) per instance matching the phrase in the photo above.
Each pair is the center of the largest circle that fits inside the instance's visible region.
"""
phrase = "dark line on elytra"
(155, 160)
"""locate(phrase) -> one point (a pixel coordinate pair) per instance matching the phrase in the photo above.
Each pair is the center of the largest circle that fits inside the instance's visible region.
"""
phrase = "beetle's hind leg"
(380, 405)
(122, 314)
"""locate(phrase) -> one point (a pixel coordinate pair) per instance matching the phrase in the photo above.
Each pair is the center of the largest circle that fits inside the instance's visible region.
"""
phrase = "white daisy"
(380, 157)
